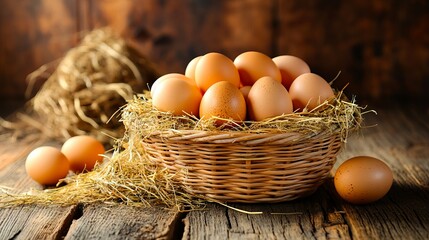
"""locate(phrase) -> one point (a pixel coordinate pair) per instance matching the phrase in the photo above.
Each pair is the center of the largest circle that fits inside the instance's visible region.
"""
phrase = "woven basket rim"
(275, 136)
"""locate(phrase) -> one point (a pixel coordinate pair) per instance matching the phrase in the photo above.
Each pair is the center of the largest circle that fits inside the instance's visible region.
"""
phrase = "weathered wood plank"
(171, 33)
(12, 166)
(11, 151)
(370, 42)
(403, 213)
(35, 222)
(379, 46)
(103, 221)
(401, 138)
(30, 221)
(37, 32)
(98, 221)
(314, 217)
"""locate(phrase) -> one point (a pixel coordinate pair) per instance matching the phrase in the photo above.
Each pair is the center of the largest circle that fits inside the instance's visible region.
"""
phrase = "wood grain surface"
(399, 135)
(400, 138)
(33, 33)
(380, 47)
(100, 221)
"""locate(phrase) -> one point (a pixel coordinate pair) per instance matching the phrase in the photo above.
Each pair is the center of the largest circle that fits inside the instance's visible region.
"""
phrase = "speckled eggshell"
(363, 179)
(224, 100)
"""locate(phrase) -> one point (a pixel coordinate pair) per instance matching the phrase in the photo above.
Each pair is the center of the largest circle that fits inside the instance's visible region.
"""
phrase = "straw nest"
(130, 177)
(339, 114)
(88, 85)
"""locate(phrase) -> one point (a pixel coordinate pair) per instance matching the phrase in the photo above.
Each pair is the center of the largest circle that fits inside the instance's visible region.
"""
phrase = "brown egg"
(363, 179)
(47, 165)
(215, 67)
(224, 100)
(268, 98)
(154, 86)
(245, 91)
(83, 152)
(190, 68)
(254, 65)
(309, 90)
(290, 68)
(178, 96)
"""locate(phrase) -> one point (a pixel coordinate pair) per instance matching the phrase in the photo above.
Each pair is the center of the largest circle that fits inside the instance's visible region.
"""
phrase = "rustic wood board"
(12, 162)
(171, 33)
(119, 222)
(10, 152)
(30, 221)
(310, 218)
(378, 45)
(39, 32)
(76, 221)
(369, 42)
(401, 138)
(35, 222)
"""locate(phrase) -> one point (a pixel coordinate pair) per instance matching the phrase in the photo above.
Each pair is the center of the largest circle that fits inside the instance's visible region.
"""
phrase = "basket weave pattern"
(231, 166)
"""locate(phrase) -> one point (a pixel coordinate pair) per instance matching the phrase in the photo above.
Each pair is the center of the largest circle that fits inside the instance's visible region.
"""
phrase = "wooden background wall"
(381, 47)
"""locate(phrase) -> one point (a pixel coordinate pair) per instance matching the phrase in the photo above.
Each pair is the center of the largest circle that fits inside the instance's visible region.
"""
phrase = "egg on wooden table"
(47, 165)
(309, 90)
(363, 179)
(223, 100)
(290, 68)
(83, 152)
(268, 98)
(253, 65)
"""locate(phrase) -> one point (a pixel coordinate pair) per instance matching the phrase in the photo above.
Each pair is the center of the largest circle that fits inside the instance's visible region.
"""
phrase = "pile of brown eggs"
(47, 165)
(252, 87)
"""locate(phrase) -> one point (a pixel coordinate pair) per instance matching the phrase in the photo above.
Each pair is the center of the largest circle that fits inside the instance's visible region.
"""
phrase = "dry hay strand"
(127, 177)
(336, 115)
(130, 177)
(88, 86)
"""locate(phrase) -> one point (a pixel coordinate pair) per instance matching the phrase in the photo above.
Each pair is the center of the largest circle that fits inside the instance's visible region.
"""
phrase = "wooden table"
(401, 138)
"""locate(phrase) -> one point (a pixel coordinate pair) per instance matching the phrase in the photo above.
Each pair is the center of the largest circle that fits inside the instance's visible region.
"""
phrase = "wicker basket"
(233, 166)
